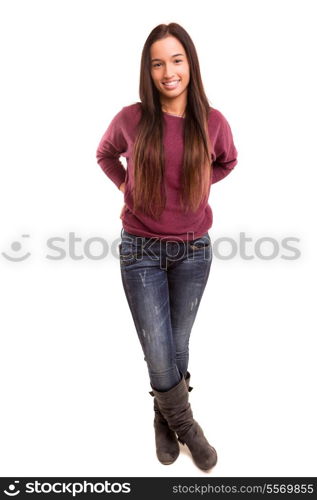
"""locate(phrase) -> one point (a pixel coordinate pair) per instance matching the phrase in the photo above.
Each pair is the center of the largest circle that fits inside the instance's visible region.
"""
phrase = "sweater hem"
(189, 236)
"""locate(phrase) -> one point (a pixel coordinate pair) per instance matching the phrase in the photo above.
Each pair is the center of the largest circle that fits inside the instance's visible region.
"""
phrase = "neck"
(174, 107)
(182, 115)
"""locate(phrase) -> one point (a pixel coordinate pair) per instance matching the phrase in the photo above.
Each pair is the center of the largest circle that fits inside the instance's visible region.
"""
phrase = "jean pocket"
(203, 241)
(129, 253)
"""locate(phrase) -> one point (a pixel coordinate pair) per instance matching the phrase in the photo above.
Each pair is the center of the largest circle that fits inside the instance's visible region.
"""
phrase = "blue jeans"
(164, 282)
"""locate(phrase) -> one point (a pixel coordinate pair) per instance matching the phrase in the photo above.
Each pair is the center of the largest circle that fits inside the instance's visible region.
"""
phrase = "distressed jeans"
(164, 282)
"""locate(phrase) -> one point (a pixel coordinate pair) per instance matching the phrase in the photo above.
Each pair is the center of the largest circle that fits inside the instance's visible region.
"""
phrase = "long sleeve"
(111, 147)
(225, 152)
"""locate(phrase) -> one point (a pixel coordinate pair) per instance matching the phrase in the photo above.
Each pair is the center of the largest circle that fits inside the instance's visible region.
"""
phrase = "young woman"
(176, 146)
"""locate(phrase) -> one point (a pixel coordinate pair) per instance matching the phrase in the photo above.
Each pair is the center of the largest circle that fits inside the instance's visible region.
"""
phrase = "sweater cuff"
(221, 171)
(119, 178)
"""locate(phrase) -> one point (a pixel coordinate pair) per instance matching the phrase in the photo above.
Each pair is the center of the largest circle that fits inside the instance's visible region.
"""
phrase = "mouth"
(171, 85)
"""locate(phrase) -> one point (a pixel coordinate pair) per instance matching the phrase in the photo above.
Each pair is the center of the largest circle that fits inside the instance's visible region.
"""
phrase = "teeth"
(171, 83)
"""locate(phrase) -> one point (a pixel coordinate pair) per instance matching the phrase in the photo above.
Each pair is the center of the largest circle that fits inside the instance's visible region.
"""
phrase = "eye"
(157, 64)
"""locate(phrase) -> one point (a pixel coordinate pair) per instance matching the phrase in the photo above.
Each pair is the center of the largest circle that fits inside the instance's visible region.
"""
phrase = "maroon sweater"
(173, 224)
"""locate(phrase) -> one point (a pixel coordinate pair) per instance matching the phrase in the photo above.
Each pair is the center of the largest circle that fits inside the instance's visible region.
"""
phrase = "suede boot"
(166, 442)
(176, 409)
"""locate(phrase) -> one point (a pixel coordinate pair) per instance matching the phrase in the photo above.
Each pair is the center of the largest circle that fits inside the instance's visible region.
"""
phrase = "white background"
(74, 384)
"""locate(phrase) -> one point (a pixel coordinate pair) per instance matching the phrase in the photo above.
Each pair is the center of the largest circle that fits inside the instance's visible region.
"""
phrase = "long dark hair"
(149, 195)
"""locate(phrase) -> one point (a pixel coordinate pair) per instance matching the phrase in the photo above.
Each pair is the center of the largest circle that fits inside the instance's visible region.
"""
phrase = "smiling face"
(169, 64)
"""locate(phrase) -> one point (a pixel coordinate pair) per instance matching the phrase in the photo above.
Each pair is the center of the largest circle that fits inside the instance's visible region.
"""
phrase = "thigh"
(187, 279)
(146, 289)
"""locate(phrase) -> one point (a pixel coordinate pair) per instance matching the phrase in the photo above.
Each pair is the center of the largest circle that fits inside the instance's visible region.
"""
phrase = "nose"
(168, 73)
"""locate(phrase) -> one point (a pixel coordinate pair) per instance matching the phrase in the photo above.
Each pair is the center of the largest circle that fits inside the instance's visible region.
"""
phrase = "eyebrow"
(156, 59)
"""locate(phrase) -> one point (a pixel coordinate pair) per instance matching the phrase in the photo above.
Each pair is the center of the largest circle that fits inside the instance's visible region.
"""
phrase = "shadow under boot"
(175, 408)
(166, 441)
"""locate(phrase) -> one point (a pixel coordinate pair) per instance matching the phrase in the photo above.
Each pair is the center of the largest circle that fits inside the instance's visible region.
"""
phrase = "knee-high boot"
(175, 408)
(166, 442)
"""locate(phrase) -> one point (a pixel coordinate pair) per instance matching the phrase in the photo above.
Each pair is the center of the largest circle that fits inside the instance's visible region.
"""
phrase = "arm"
(225, 152)
(110, 148)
